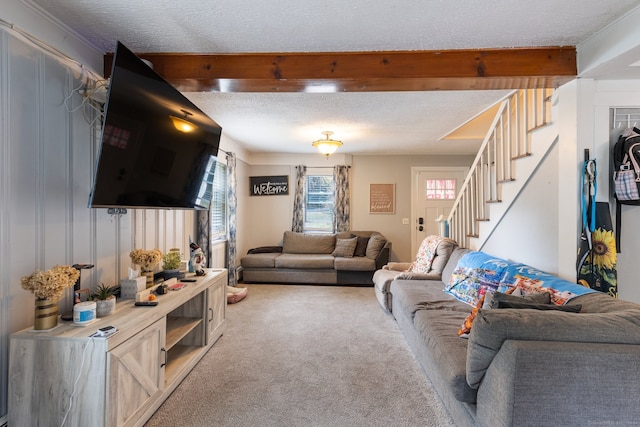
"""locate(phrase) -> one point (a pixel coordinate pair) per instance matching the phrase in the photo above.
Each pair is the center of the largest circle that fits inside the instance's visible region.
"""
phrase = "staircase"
(518, 139)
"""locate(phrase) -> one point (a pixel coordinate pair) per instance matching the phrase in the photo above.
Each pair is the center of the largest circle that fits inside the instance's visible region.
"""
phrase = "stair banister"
(457, 234)
(508, 138)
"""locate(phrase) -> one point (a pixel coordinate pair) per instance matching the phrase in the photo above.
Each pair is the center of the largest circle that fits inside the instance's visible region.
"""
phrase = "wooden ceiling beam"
(516, 68)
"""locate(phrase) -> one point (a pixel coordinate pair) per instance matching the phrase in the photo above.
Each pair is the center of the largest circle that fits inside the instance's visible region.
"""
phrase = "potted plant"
(105, 299)
(171, 263)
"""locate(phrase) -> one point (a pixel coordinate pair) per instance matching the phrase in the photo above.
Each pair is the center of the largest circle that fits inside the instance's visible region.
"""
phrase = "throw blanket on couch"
(478, 273)
(425, 255)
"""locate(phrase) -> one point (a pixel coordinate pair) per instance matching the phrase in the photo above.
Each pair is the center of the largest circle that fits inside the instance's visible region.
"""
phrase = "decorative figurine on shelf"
(198, 259)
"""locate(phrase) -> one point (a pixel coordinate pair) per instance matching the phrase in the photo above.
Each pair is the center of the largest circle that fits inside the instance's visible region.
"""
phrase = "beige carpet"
(306, 356)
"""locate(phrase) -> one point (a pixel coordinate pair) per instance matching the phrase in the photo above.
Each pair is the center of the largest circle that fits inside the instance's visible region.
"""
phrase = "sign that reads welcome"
(269, 185)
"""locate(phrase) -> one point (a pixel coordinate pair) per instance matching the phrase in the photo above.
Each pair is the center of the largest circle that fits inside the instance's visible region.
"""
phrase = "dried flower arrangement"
(51, 283)
(145, 259)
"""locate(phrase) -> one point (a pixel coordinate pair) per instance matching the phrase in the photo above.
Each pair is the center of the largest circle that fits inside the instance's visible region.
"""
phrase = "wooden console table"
(64, 375)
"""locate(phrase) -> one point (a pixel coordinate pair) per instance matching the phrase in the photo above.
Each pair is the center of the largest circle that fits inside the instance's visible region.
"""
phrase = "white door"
(434, 191)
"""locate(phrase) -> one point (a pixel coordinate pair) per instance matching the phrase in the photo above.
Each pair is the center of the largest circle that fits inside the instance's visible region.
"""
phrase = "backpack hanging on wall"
(626, 174)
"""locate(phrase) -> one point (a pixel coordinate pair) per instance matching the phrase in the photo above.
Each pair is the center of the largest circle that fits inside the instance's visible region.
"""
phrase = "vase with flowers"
(48, 286)
(147, 260)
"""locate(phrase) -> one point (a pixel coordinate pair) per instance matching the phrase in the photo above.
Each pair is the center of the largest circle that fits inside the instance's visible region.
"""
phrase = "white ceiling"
(367, 123)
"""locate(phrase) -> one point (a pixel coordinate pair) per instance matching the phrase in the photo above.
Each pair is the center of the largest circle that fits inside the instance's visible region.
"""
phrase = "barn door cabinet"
(65, 377)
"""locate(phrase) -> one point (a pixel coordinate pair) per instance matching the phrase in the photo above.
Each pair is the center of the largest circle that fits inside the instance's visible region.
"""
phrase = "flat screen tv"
(156, 147)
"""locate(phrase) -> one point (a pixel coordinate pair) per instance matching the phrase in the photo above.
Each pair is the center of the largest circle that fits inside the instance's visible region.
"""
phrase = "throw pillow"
(536, 298)
(574, 308)
(374, 246)
(345, 247)
(361, 247)
(465, 328)
(492, 300)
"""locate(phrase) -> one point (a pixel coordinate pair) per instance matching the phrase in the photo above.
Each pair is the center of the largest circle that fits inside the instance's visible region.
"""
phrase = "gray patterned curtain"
(341, 201)
(297, 224)
(203, 237)
(232, 204)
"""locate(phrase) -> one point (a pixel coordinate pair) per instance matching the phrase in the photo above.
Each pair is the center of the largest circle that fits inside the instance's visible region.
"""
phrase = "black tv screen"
(156, 147)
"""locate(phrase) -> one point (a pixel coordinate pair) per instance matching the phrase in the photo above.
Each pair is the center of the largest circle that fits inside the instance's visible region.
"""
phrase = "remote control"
(146, 303)
(188, 280)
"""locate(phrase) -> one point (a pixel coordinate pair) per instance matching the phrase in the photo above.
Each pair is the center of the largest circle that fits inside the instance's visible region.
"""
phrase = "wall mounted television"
(156, 146)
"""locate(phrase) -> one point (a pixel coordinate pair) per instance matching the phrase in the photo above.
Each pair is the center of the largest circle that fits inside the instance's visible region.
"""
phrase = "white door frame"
(415, 171)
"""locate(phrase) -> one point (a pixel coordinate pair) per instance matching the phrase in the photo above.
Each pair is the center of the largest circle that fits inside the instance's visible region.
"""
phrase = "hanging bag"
(626, 174)
(626, 177)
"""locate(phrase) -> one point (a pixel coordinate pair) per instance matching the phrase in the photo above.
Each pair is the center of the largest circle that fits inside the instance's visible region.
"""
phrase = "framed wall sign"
(269, 185)
(382, 198)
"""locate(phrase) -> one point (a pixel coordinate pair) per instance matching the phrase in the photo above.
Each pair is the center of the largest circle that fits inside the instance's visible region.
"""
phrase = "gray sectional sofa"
(346, 258)
(519, 367)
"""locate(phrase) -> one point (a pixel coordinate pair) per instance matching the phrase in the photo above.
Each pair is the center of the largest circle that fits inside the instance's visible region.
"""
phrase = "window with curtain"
(318, 217)
(218, 207)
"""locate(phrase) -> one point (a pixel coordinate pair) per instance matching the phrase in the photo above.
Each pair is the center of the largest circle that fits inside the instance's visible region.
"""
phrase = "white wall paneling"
(162, 229)
(5, 243)
(47, 160)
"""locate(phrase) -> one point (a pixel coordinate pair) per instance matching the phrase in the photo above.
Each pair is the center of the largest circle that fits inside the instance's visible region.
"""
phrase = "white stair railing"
(508, 139)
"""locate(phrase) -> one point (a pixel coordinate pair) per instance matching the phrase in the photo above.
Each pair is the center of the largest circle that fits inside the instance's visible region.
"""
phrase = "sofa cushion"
(374, 245)
(492, 328)
(443, 253)
(345, 247)
(438, 331)
(355, 264)
(598, 302)
(413, 295)
(260, 260)
(301, 243)
(305, 261)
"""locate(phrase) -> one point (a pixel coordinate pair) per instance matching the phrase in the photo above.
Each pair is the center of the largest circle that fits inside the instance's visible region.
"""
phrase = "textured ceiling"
(368, 123)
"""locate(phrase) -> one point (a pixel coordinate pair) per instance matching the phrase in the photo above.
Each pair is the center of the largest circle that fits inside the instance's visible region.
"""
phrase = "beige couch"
(346, 258)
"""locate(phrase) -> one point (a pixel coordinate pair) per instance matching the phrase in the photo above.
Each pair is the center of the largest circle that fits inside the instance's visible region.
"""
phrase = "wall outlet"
(405, 221)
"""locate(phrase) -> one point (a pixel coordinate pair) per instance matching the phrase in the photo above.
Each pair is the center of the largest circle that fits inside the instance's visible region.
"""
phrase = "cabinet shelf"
(177, 359)
(178, 328)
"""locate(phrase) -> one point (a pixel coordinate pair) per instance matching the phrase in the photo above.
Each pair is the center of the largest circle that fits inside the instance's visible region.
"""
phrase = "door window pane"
(440, 189)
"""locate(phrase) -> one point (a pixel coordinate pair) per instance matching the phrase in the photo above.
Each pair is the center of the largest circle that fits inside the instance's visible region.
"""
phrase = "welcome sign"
(269, 185)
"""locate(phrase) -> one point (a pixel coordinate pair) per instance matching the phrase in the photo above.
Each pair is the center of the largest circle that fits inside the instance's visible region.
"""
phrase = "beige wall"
(263, 219)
